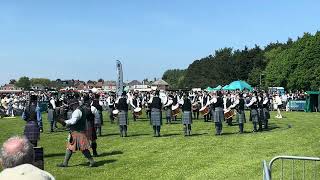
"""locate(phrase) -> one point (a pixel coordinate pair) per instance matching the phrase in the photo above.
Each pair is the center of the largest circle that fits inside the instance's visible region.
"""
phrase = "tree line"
(293, 65)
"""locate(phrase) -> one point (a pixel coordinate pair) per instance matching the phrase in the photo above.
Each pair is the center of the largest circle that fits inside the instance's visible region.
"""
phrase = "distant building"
(160, 84)
(109, 86)
(10, 88)
(37, 87)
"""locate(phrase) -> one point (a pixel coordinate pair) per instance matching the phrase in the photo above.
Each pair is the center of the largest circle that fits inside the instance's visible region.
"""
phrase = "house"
(109, 86)
(37, 87)
(160, 84)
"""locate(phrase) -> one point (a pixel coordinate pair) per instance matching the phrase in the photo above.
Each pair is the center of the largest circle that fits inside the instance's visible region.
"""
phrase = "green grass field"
(173, 156)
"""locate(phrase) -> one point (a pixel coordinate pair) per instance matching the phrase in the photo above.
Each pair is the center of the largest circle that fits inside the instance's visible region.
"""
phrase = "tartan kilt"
(187, 117)
(168, 112)
(91, 131)
(78, 141)
(218, 115)
(266, 113)
(123, 118)
(156, 117)
(51, 115)
(32, 131)
(254, 115)
(241, 116)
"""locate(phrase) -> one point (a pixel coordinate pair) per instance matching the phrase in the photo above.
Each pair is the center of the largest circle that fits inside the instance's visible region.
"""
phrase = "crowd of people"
(81, 113)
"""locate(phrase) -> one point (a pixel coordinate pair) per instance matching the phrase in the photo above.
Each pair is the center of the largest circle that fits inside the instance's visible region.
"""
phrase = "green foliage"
(175, 77)
(42, 81)
(293, 65)
(296, 66)
(24, 82)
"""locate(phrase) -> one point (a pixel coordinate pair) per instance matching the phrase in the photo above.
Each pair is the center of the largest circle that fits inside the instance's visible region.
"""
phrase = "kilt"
(51, 115)
(218, 115)
(91, 131)
(123, 118)
(241, 116)
(254, 115)
(78, 141)
(168, 112)
(187, 117)
(156, 117)
(32, 131)
(266, 113)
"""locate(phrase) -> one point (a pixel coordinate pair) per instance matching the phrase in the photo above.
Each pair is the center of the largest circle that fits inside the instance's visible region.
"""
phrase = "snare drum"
(228, 114)
(204, 110)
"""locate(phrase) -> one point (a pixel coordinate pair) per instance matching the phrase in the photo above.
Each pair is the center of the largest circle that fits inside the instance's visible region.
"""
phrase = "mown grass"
(173, 156)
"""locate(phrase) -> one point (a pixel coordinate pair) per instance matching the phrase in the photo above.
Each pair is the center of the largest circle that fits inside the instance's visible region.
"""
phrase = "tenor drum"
(204, 110)
(137, 111)
(175, 110)
(115, 112)
(229, 114)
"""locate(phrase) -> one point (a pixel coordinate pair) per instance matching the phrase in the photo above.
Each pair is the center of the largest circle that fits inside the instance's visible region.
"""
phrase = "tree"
(12, 81)
(100, 80)
(24, 82)
(42, 81)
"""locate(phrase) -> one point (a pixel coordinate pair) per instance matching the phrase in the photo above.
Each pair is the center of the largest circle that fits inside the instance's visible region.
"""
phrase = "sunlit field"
(173, 156)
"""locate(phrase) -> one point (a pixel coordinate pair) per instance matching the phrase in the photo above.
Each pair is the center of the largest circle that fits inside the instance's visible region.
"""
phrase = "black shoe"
(62, 165)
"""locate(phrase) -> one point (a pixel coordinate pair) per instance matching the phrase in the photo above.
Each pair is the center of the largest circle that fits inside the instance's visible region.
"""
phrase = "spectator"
(17, 157)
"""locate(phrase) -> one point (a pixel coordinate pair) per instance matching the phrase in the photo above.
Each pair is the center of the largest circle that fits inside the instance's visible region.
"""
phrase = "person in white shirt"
(278, 104)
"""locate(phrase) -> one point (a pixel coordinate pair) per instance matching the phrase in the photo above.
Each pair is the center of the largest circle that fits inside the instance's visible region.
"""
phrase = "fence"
(268, 169)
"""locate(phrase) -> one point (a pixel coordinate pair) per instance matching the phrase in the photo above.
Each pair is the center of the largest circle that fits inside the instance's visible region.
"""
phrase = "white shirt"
(235, 103)
(77, 114)
(253, 100)
(53, 103)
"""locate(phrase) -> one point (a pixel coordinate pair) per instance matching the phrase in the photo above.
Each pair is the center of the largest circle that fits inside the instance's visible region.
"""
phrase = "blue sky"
(82, 39)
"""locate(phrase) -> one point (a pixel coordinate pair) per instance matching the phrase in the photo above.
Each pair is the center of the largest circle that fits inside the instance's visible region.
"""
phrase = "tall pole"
(119, 78)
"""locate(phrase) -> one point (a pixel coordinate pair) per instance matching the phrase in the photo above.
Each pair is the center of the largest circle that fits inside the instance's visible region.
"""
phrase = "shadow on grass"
(111, 134)
(98, 163)
(199, 134)
(54, 155)
(169, 135)
(135, 135)
(110, 153)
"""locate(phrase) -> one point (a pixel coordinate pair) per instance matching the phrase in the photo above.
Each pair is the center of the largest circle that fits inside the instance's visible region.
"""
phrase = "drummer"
(168, 109)
(239, 104)
(135, 103)
(218, 115)
(205, 102)
(227, 102)
(186, 115)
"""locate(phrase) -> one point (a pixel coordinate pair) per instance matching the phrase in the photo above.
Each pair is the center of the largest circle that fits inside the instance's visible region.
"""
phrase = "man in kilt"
(77, 140)
(31, 129)
(218, 115)
(266, 114)
(260, 111)
(122, 106)
(111, 107)
(254, 115)
(168, 109)
(241, 115)
(93, 121)
(135, 103)
(156, 114)
(96, 103)
(52, 113)
(186, 115)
